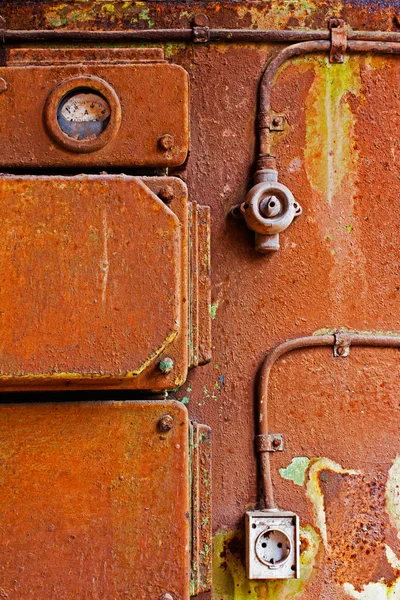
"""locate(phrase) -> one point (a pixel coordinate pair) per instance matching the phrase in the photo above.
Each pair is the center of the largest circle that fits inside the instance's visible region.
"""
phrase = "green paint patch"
(349, 228)
(213, 309)
(144, 15)
(296, 471)
(186, 398)
(173, 48)
(330, 153)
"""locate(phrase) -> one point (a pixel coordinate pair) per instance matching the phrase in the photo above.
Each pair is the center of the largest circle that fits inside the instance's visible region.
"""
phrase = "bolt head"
(166, 423)
(276, 121)
(166, 194)
(166, 365)
(200, 20)
(341, 350)
(166, 142)
(276, 442)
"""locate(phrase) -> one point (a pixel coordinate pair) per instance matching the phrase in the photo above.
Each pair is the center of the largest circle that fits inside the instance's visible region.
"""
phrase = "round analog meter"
(83, 114)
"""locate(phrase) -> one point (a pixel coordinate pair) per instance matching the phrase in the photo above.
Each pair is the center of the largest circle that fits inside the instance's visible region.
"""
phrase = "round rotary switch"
(270, 208)
(83, 114)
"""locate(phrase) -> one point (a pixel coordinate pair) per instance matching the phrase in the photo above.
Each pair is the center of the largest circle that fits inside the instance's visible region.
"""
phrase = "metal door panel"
(93, 275)
(95, 501)
(154, 102)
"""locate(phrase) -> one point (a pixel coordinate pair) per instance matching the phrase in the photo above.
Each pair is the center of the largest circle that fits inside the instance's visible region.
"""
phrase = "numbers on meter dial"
(83, 115)
(81, 108)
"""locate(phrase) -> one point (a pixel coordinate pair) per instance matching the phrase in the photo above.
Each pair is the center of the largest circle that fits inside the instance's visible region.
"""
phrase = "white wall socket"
(273, 545)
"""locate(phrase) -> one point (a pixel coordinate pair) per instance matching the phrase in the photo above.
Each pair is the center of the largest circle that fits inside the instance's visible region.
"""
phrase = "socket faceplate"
(273, 548)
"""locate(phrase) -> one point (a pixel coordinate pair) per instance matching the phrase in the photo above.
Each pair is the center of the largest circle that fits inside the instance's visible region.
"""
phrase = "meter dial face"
(83, 114)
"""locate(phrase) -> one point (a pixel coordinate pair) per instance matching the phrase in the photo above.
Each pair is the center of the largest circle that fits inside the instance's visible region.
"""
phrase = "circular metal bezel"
(57, 95)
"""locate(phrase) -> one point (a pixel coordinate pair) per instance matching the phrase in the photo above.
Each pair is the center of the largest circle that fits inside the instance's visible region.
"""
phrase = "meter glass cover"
(83, 114)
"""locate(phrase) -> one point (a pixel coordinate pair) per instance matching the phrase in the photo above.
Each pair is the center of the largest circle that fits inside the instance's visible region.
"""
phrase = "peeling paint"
(296, 471)
(393, 494)
(374, 591)
(315, 495)
(213, 309)
(330, 153)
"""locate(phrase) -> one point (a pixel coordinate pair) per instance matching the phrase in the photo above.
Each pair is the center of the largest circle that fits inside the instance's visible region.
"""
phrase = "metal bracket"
(338, 40)
(3, 29)
(341, 348)
(277, 123)
(270, 442)
(201, 29)
(272, 122)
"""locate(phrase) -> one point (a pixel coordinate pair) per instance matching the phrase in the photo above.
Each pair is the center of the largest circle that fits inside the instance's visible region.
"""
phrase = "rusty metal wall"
(338, 267)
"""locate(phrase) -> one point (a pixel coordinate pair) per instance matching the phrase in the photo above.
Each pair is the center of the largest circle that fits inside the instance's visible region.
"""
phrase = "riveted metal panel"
(94, 501)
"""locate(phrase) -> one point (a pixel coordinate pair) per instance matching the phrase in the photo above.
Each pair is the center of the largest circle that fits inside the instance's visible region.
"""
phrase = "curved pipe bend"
(355, 339)
(356, 45)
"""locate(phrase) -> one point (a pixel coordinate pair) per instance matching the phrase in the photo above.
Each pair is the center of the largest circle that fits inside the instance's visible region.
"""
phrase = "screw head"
(166, 365)
(276, 121)
(166, 194)
(276, 442)
(200, 20)
(341, 350)
(166, 423)
(166, 142)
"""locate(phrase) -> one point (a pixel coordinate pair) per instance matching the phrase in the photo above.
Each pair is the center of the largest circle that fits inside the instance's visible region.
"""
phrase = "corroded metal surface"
(201, 537)
(82, 515)
(338, 153)
(152, 99)
(338, 341)
(74, 302)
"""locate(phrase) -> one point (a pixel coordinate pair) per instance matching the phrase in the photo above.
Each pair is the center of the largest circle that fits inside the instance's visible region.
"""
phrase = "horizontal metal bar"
(255, 36)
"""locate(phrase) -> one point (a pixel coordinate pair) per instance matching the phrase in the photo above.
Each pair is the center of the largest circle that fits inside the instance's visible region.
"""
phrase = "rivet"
(276, 442)
(276, 121)
(166, 365)
(166, 142)
(166, 194)
(165, 423)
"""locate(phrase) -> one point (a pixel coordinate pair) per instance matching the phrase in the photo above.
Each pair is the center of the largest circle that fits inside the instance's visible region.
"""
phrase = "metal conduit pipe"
(270, 207)
(256, 36)
(267, 81)
(355, 339)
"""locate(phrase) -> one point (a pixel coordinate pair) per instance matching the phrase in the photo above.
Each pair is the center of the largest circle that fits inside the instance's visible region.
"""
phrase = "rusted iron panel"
(200, 224)
(338, 153)
(201, 494)
(121, 16)
(200, 285)
(94, 274)
(154, 103)
(21, 57)
(94, 501)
